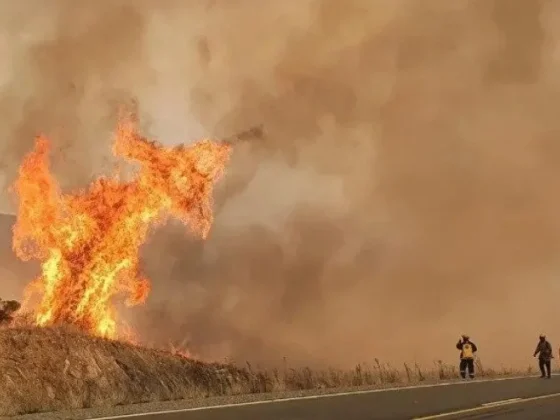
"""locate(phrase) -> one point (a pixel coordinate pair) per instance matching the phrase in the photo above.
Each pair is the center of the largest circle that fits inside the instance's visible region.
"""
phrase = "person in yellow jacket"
(468, 349)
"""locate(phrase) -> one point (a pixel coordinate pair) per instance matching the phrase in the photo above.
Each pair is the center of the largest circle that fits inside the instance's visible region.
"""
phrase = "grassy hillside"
(50, 369)
(46, 369)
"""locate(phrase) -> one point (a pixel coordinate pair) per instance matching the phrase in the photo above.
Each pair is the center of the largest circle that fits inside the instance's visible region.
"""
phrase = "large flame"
(88, 241)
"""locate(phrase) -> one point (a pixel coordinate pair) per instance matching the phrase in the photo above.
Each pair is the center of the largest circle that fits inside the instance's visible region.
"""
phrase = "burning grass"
(60, 368)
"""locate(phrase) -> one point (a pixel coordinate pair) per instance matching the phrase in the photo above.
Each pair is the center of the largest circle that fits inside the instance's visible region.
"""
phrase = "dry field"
(51, 369)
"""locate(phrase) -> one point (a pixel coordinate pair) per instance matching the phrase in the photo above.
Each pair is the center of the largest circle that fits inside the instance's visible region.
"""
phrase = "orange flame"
(88, 241)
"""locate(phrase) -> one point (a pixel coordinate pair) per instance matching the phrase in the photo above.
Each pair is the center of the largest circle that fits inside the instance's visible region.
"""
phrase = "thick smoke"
(405, 192)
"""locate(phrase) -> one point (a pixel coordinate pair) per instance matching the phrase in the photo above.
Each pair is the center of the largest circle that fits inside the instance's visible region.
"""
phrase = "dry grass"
(50, 369)
(56, 368)
(364, 375)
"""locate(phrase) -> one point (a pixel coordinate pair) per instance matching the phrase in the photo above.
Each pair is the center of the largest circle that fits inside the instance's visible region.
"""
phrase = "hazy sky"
(406, 191)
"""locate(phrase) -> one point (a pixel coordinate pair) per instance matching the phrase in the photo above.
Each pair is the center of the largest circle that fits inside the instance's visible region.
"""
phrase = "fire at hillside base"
(88, 241)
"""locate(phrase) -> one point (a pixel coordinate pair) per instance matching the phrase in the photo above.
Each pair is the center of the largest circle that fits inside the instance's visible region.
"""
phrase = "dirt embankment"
(53, 369)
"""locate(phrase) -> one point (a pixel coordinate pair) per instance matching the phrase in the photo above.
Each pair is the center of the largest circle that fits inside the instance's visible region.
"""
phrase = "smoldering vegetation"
(405, 192)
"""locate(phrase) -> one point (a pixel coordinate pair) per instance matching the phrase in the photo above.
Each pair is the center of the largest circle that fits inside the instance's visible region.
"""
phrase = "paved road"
(541, 408)
(518, 399)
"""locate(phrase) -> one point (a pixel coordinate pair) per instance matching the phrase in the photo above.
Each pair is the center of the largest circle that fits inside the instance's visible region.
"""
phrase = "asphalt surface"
(512, 399)
(547, 408)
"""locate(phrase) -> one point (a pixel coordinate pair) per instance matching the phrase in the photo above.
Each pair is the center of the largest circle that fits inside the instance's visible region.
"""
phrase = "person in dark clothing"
(544, 350)
(468, 349)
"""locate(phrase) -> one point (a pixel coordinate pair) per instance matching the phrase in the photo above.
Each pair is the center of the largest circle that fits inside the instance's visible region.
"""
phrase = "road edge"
(312, 397)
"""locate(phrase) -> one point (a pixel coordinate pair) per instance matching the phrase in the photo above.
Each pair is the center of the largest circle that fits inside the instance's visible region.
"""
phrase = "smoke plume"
(405, 192)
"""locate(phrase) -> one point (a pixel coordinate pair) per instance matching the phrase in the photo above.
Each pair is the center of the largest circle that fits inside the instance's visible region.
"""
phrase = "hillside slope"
(46, 369)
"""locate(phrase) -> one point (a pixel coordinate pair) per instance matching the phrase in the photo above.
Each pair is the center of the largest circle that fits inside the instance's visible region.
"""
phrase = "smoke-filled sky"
(405, 193)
